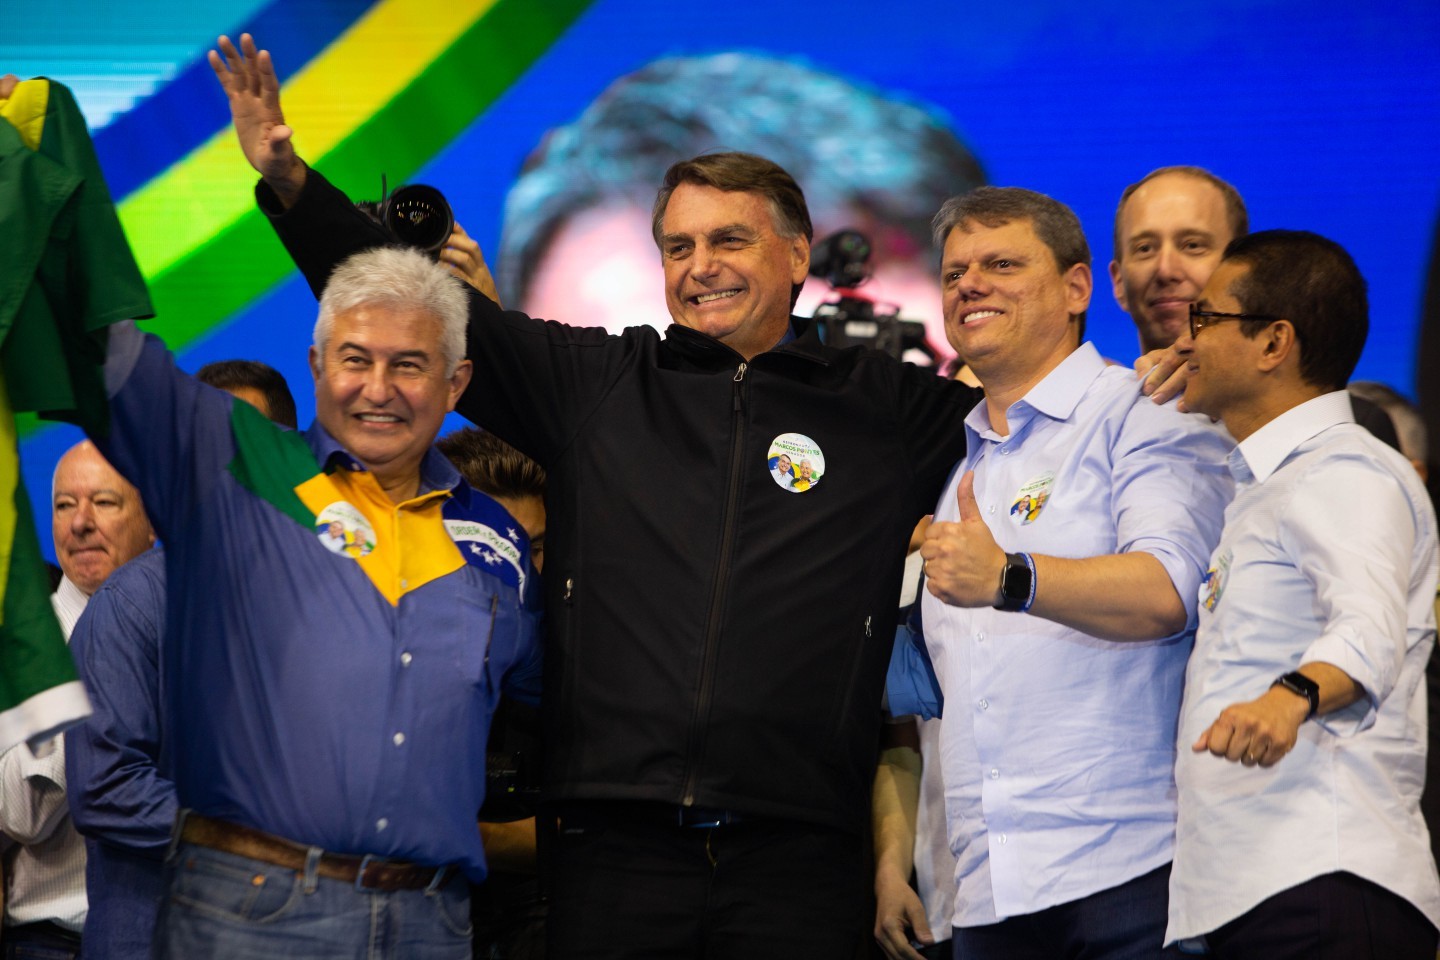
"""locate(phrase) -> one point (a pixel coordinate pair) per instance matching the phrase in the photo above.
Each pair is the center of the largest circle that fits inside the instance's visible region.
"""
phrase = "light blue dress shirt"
(1328, 555)
(1058, 749)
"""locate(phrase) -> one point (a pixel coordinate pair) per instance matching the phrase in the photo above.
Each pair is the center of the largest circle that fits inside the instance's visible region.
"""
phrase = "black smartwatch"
(1017, 583)
(1302, 686)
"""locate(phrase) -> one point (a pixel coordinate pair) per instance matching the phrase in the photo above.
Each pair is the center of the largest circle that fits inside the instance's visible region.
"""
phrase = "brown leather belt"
(372, 873)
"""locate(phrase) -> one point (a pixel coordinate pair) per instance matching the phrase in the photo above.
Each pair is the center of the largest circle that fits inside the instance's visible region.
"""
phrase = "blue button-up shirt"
(1329, 555)
(118, 797)
(1058, 748)
(339, 698)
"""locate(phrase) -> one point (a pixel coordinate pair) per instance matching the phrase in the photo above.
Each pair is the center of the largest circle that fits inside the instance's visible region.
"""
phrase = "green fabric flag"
(66, 273)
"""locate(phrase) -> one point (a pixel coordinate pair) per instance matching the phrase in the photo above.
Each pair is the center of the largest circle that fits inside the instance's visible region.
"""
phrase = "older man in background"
(98, 523)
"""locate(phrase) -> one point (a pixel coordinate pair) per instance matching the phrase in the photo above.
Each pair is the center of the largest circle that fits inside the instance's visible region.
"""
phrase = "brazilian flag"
(66, 273)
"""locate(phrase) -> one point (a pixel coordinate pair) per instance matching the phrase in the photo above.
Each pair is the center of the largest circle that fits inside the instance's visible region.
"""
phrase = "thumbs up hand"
(962, 560)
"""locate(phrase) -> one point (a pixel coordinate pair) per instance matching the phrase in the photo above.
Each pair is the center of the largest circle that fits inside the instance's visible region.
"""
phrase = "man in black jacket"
(717, 643)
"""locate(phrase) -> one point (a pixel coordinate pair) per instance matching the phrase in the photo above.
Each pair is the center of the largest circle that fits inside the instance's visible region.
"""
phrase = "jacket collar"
(705, 349)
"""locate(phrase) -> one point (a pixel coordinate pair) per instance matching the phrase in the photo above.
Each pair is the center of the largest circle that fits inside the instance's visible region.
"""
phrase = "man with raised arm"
(326, 713)
(711, 781)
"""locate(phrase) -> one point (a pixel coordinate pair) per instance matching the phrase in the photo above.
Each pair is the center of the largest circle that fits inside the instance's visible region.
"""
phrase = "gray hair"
(397, 277)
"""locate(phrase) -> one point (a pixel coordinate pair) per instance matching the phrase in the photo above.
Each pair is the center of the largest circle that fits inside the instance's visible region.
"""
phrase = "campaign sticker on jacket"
(344, 530)
(795, 462)
(1031, 498)
(1213, 586)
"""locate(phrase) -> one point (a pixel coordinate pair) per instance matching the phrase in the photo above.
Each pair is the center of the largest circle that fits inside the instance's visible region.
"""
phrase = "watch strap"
(1017, 583)
(1302, 686)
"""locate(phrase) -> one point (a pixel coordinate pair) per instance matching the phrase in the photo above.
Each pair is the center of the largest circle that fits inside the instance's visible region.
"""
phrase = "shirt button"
(404, 584)
(990, 509)
(405, 659)
(399, 738)
(994, 773)
(984, 704)
(381, 824)
(980, 637)
(1002, 838)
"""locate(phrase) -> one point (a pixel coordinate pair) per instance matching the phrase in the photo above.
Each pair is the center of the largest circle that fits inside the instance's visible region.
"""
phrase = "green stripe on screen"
(243, 262)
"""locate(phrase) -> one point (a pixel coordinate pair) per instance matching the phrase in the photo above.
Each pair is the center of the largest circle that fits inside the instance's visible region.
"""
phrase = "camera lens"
(420, 217)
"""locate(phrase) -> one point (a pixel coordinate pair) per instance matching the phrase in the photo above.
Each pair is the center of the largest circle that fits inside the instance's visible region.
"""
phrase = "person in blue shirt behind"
(326, 714)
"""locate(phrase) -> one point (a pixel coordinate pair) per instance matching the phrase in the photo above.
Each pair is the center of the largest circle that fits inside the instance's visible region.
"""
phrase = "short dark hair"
(491, 465)
(1313, 283)
(1054, 223)
(232, 374)
(741, 173)
(1235, 211)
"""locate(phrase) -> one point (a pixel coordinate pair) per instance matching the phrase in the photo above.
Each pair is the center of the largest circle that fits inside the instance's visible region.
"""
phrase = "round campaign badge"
(1031, 498)
(795, 462)
(344, 530)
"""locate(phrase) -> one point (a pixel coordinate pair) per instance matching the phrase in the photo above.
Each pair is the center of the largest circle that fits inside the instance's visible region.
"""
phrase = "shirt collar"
(69, 602)
(436, 471)
(1266, 449)
(1056, 396)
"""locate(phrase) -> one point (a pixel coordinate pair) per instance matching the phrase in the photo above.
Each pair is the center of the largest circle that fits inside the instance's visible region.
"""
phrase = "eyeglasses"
(1200, 319)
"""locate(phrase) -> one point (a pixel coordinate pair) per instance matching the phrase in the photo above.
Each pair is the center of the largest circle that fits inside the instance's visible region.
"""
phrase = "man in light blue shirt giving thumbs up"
(1062, 574)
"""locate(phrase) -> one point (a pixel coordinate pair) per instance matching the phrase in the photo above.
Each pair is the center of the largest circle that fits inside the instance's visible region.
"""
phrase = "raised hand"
(463, 257)
(248, 78)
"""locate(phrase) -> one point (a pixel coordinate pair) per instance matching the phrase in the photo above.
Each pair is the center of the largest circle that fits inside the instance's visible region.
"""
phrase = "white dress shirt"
(1058, 748)
(1328, 555)
(43, 855)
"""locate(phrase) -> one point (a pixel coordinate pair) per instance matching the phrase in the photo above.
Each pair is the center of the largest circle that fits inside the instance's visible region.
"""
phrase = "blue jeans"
(221, 906)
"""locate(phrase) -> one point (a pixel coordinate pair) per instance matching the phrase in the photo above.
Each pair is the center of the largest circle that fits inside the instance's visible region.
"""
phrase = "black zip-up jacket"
(713, 639)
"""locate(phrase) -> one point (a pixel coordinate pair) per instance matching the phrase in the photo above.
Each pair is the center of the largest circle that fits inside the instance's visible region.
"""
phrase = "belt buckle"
(705, 818)
(365, 862)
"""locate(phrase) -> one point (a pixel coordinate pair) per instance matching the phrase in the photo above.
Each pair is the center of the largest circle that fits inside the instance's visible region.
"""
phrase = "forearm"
(510, 846)
(894, 802)
(1126, 596)
(317, 223)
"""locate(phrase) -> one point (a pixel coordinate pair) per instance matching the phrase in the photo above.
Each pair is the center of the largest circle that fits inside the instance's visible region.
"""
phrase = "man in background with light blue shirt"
(1317, 622)
(1059, 630)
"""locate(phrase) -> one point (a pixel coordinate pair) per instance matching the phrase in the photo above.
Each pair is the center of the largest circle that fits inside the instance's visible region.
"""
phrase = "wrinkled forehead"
(82, 470)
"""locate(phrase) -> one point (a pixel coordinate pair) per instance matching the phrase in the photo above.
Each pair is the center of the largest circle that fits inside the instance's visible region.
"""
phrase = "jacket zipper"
(722, 576)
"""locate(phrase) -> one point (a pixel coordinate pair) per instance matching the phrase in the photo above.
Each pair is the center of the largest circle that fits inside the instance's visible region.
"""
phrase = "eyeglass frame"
(1211, 317)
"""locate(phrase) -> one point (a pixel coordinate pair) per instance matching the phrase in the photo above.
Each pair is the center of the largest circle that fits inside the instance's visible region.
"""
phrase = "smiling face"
(98, 521)
(1009, 310)
(1173, 232)
(1220, 359)
(382, 390)
(728, 274)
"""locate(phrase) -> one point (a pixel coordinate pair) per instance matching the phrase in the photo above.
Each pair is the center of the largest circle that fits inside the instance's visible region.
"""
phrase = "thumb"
(1203, 744)
(965, 496)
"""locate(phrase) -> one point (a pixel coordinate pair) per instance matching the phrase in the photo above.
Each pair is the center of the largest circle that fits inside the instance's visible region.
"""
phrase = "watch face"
(1015, 581)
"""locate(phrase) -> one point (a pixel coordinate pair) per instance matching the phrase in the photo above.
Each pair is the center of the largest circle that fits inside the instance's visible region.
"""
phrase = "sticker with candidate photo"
(1213, 586)
(344, 530)
(795, 462)
(1031, 498)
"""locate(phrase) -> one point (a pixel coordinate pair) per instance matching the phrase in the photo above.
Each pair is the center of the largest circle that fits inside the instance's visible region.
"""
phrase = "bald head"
(97, 518)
